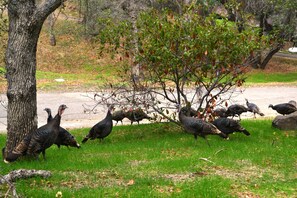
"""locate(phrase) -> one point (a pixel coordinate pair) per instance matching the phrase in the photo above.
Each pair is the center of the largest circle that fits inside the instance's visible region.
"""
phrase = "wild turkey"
(229, 126)
(198, 127)
(236, 109)
(284, 108)
(220, 112)
(37, 142)
(118, 116)
(190, 111)
(19, 150)
(293, 102)
(64, 138)
(102, 129)
(49, 114)
(253, 108)
(136, 115)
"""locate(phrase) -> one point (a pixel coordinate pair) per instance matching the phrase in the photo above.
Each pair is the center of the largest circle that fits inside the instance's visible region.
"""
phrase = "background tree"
(185, 58)
(25, 22)
(277, 20)
(3, 30)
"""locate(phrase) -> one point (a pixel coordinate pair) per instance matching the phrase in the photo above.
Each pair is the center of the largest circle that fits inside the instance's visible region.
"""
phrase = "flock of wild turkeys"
(51, 133)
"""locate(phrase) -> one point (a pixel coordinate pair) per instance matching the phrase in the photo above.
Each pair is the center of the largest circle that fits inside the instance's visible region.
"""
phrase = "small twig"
(207, 160)
(11, 188)
(217, 152)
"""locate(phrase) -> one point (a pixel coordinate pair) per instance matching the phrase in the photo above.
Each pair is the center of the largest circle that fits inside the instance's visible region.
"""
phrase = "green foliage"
(160, 160)
(179, 51)
(171, 44)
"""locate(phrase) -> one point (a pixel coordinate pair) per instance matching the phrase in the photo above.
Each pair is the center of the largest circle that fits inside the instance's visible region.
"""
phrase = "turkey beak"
(6, 162)
(77, 145)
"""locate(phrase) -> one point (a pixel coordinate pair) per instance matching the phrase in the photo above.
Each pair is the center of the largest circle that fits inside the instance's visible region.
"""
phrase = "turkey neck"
(181, 117)
(50, 117)
(108, 115)
(56, 121)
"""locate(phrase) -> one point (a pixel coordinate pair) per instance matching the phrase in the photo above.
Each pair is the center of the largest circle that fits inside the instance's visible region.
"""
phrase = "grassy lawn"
(266, 78)
(159, 160)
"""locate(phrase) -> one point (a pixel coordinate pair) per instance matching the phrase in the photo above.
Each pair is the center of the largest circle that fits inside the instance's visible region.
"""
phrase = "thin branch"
(45, 9)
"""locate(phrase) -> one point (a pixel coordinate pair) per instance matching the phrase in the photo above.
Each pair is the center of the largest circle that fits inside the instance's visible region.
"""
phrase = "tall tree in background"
(277, 20)
(26, 18)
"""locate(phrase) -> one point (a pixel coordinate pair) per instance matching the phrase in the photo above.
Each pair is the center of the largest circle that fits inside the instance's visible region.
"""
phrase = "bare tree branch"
(23, 173)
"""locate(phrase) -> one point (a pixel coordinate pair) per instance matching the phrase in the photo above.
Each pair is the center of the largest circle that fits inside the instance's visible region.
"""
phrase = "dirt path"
(75, 117)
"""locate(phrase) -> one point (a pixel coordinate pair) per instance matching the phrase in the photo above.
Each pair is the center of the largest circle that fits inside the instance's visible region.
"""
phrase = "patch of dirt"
(80, 179)
(181, 177)
(247, 195)
(137, 162)
(247, 172)
(168, 190)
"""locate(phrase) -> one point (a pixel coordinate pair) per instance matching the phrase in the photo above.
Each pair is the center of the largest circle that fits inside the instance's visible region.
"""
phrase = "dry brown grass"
(280, 64)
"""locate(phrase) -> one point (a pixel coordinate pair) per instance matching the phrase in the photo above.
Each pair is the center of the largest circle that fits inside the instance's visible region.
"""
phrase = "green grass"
(261, 77)
(159, 160)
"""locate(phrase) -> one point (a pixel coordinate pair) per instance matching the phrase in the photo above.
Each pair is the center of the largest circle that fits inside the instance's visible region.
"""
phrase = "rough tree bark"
(25, 22)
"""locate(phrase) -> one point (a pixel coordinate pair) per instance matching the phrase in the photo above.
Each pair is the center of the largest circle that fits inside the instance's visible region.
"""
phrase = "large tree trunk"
(25, 22)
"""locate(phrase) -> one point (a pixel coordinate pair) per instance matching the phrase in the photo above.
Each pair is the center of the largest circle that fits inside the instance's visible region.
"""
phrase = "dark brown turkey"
(293, 102)
(189, 111)
(229, 126)
(65, 137)
(220, 112)
(102, 129)
(136, 115)
(37, 142)
(118, 116)
(198, 127)
(236, 109)
(284, 108)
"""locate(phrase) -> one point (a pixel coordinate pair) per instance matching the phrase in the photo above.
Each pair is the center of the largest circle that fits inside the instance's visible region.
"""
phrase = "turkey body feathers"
(37, 142)
(253, 108)
(198, 127)
(118, 115)
(284, 108)
(229, 126)
(102, 129)
(236, 109)
(137, 115)
(65, 137)
(220, 112)
(19, 150)
(46, 135)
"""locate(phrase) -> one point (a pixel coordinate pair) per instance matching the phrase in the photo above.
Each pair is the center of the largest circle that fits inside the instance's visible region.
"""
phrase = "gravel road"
(75, 117)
